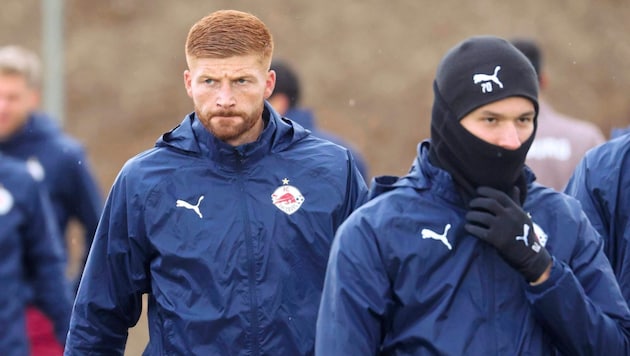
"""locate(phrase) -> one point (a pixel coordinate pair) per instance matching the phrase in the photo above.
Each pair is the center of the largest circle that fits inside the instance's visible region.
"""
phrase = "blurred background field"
(366, 67)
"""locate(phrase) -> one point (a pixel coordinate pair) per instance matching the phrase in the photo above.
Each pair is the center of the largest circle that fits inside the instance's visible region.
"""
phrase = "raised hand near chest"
(499, 220)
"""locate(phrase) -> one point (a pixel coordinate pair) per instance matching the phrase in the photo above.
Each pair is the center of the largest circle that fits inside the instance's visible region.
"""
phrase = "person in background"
(468, 254)
(226, 224)
(52, 157)
(601, 182)
(285, 99)
(561, 141)
(31, 260)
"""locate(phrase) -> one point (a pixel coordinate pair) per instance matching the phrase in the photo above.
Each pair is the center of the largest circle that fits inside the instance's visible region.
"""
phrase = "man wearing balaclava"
(467, 254)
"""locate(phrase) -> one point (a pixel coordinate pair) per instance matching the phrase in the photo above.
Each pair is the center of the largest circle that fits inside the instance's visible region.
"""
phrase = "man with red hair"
(226, 224)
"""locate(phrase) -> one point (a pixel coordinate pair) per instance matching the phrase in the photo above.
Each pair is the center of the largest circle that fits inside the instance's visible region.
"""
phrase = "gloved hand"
(499, 220)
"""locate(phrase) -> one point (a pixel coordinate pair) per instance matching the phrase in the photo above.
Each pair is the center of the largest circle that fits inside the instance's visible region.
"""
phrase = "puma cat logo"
(524, 236)
(486, 80)
(187, 205)
(429, 234)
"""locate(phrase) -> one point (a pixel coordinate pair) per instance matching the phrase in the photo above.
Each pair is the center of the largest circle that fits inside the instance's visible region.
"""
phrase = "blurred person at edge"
(467, 254)
(601, 182)
(561, 141)
(31, 261)
(226, 224)
(285, 99)
(53, 158)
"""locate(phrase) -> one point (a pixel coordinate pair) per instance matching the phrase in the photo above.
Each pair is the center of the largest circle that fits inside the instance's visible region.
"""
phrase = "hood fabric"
(277, 135)
(424, 175)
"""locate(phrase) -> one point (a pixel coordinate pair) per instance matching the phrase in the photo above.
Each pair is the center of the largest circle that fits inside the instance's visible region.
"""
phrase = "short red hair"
(228, 33)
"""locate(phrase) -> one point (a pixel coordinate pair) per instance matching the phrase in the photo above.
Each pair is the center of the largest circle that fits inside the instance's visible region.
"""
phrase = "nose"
(225, 96)
(509, 139)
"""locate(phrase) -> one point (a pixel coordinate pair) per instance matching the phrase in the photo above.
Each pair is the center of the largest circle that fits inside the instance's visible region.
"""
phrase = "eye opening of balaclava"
(476, 72)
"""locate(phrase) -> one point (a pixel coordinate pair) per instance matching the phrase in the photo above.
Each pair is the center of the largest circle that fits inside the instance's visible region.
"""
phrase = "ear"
(188, 82)
(270, 83)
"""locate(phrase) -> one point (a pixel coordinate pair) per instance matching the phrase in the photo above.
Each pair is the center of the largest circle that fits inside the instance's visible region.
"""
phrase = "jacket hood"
(191, 137)
(424, 175)
(39, 125)
(415, 178)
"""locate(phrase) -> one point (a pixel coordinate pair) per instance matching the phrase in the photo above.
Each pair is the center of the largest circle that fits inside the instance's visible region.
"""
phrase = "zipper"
(492, 297)
(249, 245)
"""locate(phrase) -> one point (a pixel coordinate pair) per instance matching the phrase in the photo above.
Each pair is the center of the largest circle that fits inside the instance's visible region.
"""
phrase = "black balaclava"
(476, 72)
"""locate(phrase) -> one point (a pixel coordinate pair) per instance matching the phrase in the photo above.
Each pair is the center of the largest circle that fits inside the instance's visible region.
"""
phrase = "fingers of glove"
(495, 194)
(480, 218)
(489, 204)
(480, 232)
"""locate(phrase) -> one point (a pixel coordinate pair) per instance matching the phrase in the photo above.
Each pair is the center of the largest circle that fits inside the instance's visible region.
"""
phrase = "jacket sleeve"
(594, 204)
(581, 304)
(109, 299)
(45, 263)
(356, 191)
(85, 202)
(352, 309)
(601, 186)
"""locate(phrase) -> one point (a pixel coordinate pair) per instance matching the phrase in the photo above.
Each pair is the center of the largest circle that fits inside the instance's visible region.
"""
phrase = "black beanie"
(484, 69)
(476, 72)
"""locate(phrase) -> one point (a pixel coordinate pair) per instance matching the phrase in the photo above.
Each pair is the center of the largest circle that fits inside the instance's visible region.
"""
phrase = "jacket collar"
(423, 176)
(191, 137)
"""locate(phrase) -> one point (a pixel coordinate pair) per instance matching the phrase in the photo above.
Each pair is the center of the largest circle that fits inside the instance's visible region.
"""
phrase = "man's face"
(17, 99)
(506, 123)
(228, 94)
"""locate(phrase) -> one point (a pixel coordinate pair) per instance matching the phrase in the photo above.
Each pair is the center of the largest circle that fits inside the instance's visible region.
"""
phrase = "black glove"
(499, 220)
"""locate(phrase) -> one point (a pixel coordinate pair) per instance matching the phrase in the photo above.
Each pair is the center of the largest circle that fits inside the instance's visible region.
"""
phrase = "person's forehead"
(246, 63)
(13, 79)
(509, 104)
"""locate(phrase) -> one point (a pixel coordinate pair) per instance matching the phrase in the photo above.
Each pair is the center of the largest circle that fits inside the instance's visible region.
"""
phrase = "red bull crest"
(6, 201)
(287, 198)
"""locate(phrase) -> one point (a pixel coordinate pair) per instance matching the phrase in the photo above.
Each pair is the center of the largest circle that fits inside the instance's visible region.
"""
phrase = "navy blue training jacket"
(405, 278)
(30, 258)
(601, 182)
(230, 243)
(60, 162)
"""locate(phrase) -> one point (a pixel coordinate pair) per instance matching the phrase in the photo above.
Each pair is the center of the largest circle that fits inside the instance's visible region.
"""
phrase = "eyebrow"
(492, 113)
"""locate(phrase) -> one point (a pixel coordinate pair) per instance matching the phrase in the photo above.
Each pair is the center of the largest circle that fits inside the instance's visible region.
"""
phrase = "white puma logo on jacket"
(429, 234)
(187, 205)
